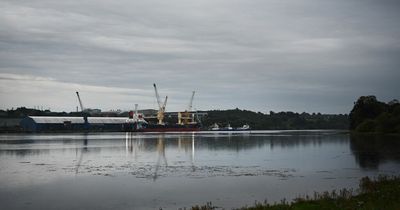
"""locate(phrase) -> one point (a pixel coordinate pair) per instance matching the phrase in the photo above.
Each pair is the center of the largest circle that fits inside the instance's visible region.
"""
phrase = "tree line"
(235, 118)
(275, 120)
(367, 115)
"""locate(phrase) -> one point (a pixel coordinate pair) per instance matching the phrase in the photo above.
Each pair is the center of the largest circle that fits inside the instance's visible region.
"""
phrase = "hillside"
(279, 120)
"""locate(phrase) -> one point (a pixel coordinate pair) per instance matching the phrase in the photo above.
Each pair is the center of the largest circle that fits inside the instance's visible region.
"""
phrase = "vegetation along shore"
(382, 192)
(372, 116)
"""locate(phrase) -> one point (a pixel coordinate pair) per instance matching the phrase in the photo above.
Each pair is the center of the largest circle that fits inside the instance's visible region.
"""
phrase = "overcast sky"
(261, 55)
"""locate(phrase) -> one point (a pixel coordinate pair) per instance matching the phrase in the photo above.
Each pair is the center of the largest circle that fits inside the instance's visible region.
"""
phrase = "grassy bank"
(380, 193)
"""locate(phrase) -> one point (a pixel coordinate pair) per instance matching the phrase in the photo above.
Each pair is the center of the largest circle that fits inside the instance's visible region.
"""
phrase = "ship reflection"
(161, 155)
(83, 150)
(188, 144)
(135, 143)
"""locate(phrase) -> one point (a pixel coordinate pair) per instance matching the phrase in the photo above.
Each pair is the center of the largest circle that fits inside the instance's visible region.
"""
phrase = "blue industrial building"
(48, 124)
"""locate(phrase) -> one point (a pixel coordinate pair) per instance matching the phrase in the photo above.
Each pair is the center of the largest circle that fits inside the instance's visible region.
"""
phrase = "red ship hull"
(132, 127)
(168, 129)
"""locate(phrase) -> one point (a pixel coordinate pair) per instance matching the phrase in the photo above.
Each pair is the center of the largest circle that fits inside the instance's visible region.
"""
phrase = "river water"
(180, 170)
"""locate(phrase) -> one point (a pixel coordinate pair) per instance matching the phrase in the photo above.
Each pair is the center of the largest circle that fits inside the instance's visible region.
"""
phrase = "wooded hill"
(278, 120)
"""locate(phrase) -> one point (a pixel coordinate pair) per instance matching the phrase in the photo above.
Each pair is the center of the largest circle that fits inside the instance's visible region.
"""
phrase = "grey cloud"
(258, 55)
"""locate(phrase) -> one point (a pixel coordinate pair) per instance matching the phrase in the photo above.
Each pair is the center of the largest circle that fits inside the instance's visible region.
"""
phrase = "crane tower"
(161, 106)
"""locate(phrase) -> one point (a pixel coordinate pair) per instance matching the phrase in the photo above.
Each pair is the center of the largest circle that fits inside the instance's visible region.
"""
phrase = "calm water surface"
(175, 170)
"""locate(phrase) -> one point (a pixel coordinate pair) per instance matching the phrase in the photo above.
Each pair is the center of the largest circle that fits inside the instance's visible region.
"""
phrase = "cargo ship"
(138, 123)
(186, 119)
(134, 127)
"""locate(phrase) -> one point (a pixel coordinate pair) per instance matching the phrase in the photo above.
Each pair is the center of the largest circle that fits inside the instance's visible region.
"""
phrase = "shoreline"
(381, 192)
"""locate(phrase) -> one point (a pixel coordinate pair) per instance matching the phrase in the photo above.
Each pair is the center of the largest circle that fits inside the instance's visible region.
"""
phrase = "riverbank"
(380, 193)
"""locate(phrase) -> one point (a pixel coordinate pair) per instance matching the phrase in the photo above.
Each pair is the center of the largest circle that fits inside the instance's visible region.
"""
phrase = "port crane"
(185, 117)
(191, 102)
(80, 101)
(161, 106)
(86, 110)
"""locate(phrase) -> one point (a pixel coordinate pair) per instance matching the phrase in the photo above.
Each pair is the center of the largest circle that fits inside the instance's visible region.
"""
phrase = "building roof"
(78, 120)
(107, 120)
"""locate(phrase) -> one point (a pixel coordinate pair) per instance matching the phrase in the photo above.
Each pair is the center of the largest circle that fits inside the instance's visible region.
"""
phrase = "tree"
(371, 115)
(366, 107)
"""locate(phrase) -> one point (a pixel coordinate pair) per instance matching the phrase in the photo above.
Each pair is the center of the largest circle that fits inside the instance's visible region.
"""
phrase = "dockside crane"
(80, 101)
(84, 111)
(161, 106)
(191, 102)
(185, 117)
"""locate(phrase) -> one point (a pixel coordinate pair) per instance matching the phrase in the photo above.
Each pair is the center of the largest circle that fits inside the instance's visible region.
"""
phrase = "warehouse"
(46, 124)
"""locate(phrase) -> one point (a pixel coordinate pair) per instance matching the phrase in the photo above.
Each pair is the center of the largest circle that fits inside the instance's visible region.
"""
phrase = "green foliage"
(280, 120)
(366, 126)
(371, 115)
(381, 193)
(366, 107)
(397, 129)
(208, 206)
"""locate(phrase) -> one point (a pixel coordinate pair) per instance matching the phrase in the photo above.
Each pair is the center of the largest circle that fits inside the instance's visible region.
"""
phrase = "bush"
(366, 126)
(371, 115)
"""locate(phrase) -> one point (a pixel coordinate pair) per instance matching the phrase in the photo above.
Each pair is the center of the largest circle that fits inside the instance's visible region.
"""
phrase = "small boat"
(228, 128)
(215, 127)
(245, 127)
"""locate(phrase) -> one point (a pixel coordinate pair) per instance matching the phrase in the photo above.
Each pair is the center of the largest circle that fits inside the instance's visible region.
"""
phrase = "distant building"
(92, 111)
(45, 123)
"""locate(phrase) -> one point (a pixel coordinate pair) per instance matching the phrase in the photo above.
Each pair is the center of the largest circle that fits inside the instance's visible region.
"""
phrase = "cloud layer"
(306, 55)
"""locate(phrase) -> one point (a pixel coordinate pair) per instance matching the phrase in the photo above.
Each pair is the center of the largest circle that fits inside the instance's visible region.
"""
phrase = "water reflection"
(83, 150)
(135, 143)
(163, 150)
(161, 155)
(369, 150)
(150, 142)
(372, 150)
(188, 144)
(146, 170)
